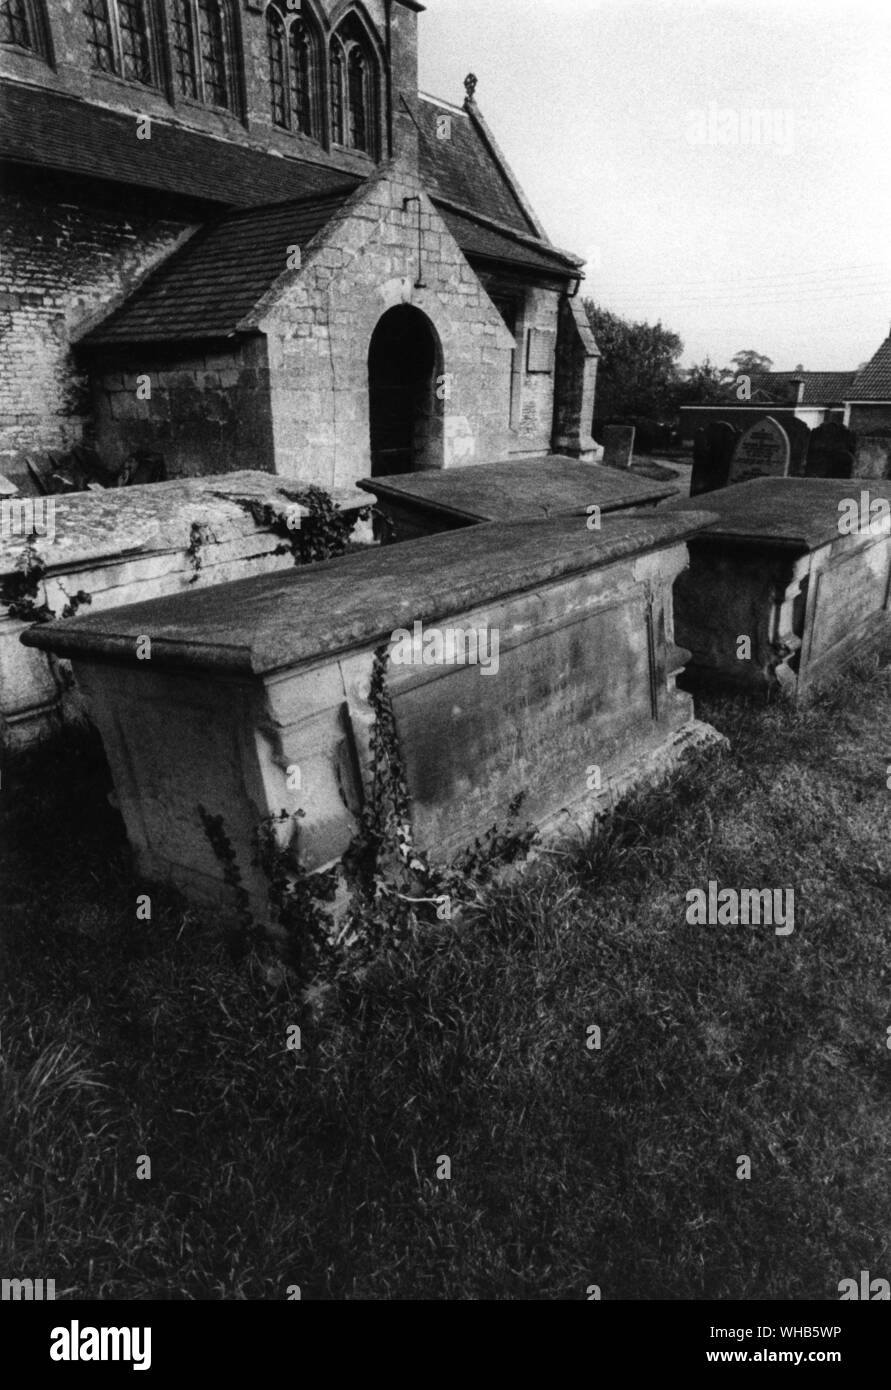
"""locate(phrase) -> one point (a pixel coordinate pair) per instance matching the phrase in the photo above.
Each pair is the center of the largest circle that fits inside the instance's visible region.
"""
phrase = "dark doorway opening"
(405, 393)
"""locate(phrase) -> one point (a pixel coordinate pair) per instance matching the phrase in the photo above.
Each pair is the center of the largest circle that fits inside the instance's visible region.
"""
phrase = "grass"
(569, 1166)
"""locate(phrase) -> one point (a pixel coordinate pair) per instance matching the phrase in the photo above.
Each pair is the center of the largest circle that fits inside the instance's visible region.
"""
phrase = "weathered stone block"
(780, 593)
(419, 504)
(535, 658)
(122, 545)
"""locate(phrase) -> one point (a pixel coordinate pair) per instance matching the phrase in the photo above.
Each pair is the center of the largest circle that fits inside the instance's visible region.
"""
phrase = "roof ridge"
(525, 238)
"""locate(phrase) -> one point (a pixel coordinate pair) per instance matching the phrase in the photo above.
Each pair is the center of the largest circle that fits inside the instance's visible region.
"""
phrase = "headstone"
(830, 452)
(712, 452)
(618, 446)
(873, 455)
(762, 452)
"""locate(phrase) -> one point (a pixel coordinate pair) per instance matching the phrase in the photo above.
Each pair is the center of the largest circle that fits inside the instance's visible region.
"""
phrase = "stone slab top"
(82, 528)
(518, 489)
(795, 513)
(273, 622)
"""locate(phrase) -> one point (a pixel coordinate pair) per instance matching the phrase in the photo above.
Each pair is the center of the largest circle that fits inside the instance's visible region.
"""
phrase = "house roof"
(780, 388)
(873, 382)
(206, 288)
(62, 133)
(465, 169)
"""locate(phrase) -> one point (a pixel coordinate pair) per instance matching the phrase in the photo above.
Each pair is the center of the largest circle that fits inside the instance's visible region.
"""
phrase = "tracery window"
(354, 82)
(293, 72)
(204, 52)
(17, 24)
(121, 39)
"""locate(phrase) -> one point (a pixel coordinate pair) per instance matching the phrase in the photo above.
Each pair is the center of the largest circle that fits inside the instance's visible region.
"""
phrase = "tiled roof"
(820, 388)
(873, 383)
(206, 288)
(60, 132)
(476, 239)
(464, 169)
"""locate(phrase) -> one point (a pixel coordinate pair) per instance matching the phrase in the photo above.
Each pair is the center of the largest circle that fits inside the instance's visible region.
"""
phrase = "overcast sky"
(629, 126)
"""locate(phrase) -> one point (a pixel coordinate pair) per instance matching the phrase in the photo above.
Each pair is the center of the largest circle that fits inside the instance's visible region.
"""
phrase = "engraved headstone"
(618, 446)
(762, 452)
(712, 451)
(873, 454)
(830, 452)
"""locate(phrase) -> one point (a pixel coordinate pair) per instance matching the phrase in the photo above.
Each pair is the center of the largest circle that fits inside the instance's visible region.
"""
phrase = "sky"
(723, 167)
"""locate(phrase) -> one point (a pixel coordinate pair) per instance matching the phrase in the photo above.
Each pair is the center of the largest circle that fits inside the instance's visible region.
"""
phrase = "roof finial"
(470, 85)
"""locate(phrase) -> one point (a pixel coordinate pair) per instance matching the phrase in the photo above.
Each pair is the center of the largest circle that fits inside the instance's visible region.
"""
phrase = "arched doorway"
(405, 409)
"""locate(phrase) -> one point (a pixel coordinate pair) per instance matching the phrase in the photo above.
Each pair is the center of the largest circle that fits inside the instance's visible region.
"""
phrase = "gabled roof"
(873, 382)
(209, 287)
(62, 133)
(206, 288)
(480, 241)
(780, 388)
(465, 169)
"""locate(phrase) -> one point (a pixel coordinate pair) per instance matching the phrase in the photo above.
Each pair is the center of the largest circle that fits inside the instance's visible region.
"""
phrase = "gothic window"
(337, 93)
(121, 39)
(354, 80)
(23, 24)
(293, 72)
(204, 52)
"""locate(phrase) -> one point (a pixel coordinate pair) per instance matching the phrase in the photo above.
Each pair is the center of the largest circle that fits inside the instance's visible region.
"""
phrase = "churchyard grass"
(571, 1165)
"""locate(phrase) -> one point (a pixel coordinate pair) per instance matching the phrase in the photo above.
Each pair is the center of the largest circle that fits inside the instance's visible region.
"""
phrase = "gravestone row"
(723, 454)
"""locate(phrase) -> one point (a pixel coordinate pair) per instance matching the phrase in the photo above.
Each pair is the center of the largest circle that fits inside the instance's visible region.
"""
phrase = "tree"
(751, 363)
(637, 375)
(701, 384)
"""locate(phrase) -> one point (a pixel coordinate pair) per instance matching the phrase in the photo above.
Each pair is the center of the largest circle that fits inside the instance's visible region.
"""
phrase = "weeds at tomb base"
(569, 1166)
(391, 888)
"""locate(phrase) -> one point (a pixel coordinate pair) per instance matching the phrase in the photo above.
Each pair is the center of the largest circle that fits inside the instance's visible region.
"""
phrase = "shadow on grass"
(570, 1165)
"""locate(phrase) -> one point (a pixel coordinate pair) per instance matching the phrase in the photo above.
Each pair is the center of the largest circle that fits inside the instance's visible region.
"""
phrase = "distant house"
(860, 399)
(868, 402)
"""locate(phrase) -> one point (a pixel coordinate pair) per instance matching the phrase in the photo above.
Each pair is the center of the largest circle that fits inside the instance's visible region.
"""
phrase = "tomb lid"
(275, 621)
(84, 528)
(518, 489)
(795, 513)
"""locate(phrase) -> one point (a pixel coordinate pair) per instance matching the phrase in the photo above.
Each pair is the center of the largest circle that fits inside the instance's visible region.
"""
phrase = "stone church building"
(235, 234)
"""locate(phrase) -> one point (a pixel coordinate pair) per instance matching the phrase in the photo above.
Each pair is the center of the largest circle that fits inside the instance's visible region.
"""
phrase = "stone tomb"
(422, 504)
(777, 568)
(259, 687)
(120, 545)
(618, 446)
(762, 452)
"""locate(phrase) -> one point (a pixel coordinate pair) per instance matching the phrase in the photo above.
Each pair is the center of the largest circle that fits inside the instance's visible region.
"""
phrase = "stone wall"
(533, 421)
(319, 329)
(207, 413)
(59, 263)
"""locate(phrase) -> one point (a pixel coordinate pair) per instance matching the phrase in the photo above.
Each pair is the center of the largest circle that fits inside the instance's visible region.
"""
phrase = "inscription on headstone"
(762, 452)
(618, 446)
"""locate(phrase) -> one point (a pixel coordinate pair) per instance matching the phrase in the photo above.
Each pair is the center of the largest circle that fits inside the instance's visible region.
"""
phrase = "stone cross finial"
(470, 85)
